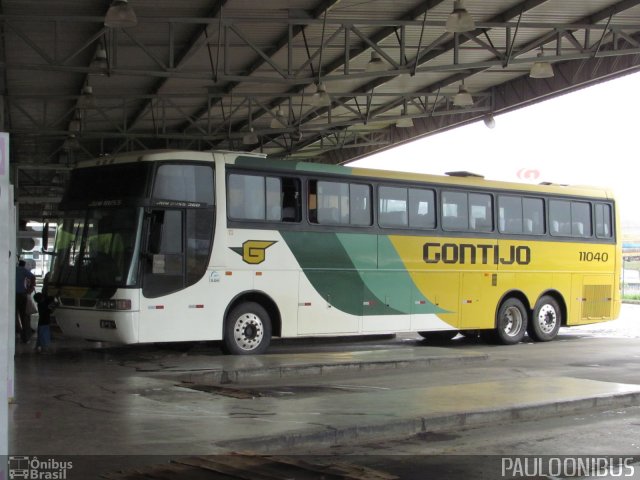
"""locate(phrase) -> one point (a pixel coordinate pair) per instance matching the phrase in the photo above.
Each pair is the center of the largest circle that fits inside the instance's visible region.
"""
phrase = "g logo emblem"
(253, 251)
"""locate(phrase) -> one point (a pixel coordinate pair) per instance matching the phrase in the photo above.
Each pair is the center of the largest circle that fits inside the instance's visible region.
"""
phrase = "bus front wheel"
(546, 320)
(247, 330)
(511, 322)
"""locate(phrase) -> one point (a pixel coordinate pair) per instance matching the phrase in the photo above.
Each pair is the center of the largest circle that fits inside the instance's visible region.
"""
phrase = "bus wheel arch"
(547, 316)
(250, 320)
(511, 318)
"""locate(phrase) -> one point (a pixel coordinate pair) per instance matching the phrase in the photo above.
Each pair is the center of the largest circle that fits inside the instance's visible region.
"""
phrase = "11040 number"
(594, 256)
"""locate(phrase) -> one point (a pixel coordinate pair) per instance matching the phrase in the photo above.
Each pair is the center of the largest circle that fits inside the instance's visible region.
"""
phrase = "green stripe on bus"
(343, 268)
(332, 272)
(389, 281)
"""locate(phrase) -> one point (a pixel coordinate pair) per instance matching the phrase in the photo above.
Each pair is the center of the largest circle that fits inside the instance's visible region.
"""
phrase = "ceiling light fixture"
(321, 98)
(71, 143)
(250, 138)
(87, 100)
(376, 64)
(75, 125)
(278, 121)
(489, 121)
(120, 15)
(459, 20)
(99, 64)
(405, 121)
(541, 68)
(463, 98)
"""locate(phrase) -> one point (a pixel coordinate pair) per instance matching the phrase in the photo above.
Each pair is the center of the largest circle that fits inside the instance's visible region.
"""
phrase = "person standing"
(46, 305)
(25, 285)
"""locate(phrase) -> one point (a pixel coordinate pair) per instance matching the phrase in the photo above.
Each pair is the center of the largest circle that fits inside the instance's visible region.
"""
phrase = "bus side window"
(291, 207)
(274, 198)
(581, 219)
(312, 203)
(603, 220)
(393, 206)
(455, 211)
(289, 214)
(359, 204)
(422, 211)
(560, 217)
(481, 212)
(533, 213)
(528, 226)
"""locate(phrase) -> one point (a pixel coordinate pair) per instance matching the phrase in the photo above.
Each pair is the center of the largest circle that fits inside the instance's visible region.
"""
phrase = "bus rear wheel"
(546, 320)
(247, 330)
(511, 322)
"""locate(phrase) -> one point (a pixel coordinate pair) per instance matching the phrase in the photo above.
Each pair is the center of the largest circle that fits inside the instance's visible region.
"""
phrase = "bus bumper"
(98, 325)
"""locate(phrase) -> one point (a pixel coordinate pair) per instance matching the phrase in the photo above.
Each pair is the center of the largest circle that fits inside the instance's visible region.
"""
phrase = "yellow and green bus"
(168, 246)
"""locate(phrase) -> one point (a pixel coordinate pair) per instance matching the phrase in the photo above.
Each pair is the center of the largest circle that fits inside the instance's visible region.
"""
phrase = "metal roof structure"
(244, 75)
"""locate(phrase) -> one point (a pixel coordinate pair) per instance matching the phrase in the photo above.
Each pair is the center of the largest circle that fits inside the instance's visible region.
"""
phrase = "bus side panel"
(438, 293)
(389, 309)
(331, 287)
(318, 311)
(194, 313)
(282, 287)
(259, 261)
(480, 294)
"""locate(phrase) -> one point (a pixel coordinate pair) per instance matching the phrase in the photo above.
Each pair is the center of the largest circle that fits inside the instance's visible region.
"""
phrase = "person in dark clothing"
(25, 284)
(46, 305)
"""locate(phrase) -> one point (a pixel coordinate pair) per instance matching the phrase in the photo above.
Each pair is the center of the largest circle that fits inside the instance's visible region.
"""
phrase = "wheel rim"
(248, 331)
(547, 318)
(512, 321)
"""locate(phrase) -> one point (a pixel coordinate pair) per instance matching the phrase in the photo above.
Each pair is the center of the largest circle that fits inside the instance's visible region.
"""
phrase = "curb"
(403, 428)
(226, 376)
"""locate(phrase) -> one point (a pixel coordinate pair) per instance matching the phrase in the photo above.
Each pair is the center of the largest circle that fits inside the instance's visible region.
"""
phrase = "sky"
(588, 137)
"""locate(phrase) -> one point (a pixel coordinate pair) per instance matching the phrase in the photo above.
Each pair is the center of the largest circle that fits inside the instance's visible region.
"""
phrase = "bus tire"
(546, 320)
(511, 322)
(247, 330)
(439, 336)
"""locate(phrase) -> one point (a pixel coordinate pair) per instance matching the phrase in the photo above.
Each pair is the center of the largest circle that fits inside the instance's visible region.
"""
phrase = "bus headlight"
(114, 304)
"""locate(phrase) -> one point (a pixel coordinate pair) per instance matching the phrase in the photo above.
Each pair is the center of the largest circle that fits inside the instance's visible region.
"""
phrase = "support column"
(7, 298)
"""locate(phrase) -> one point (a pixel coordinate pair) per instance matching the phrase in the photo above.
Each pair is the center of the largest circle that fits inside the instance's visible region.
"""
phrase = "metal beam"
(516, 94)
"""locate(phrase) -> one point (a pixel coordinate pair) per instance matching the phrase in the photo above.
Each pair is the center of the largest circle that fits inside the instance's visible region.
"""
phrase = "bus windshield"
(98, 248)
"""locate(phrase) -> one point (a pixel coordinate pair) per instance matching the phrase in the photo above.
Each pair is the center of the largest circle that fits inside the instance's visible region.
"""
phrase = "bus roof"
(472, 180)
(257, 160)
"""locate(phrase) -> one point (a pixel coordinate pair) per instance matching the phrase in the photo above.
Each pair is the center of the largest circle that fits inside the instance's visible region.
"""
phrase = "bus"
(172, 246)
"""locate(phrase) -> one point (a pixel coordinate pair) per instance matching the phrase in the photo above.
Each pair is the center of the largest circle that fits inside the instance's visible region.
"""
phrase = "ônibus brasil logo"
(34, 468)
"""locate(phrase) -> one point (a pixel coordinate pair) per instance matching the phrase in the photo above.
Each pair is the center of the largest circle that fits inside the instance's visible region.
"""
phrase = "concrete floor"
(86, 399)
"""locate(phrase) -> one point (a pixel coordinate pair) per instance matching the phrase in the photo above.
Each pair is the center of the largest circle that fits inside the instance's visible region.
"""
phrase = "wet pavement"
(305, 396)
